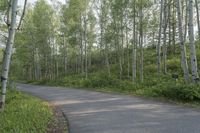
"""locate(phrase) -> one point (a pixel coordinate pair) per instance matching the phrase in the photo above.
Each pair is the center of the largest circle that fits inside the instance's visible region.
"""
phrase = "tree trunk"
(8, 52)
(65, 54)
(86, 48)
(141, 47)
(198, 21)
(182, 45)
(195, 76)
(159, 39)
(174, 29)
(134, 48)
(186, 20)
(169, 23)
(165, 37)
(121, 46)
(81, 48)
(107, 59)
(120, 58)
(128, 62)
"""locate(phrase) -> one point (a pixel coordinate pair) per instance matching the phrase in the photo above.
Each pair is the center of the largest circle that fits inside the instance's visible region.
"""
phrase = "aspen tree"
(182, 45)
(165, 37)
(198, 18)
(159, 38)
(8, 51)
(134, 47)
(193, 58)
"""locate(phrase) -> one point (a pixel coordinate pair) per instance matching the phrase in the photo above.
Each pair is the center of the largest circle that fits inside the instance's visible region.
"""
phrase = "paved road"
(94, 112)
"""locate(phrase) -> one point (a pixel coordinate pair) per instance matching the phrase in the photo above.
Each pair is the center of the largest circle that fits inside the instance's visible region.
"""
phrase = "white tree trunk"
(197, 9)
(165, 37)
(8, 51)
(182, 45)
(174, 27)
(65, 54)
(135, 61)
(195, 76)
(159, 39)
(86, 48)
(186, 20)
(128, 62)
(134, 48)
(107, 58)
(141, 47)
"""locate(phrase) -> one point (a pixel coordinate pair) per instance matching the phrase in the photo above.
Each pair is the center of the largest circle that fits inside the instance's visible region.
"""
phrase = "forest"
(138, 48)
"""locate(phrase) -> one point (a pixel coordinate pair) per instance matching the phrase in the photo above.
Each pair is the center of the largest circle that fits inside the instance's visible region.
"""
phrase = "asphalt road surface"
(95, 112)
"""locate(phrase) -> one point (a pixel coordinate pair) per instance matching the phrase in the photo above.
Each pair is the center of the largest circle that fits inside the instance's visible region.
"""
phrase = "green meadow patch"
(24, 114)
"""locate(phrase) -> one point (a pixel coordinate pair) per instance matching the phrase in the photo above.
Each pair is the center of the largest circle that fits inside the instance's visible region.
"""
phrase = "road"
(95, 112)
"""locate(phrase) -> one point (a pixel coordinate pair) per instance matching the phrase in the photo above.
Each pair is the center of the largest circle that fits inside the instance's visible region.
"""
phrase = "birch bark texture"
(184, 63)
(141, 46)
(193, 58)
(159, 38)
(134, 48)
(198, 21)
(8, 52)
(165, 20)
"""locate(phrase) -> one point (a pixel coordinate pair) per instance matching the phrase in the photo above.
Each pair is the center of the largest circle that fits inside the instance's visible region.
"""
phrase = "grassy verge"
(24, 114)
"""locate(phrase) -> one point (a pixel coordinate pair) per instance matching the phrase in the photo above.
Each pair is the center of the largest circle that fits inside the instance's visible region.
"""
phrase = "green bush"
(153, 86)
(174, 65)
(101, 80)
(150, 69)
(181, 92)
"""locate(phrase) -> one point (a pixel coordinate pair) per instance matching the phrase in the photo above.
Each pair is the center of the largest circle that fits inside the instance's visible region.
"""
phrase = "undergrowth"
(24, 114)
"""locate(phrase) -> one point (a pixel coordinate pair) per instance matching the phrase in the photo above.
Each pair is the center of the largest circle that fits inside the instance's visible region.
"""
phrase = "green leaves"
(3, 5)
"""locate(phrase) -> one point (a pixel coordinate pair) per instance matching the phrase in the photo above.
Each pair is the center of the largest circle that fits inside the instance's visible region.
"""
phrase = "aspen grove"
(145, 47)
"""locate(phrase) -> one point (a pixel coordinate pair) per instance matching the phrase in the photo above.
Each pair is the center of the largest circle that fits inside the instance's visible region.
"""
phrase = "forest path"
(95, 112)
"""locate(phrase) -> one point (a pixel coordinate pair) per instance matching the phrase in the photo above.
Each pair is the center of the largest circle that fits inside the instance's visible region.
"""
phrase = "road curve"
(95, 112)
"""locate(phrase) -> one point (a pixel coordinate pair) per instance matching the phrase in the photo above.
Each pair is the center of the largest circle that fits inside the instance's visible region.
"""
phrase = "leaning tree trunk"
(8, 51)
(159, 40)
(195, 76)
(182, 45)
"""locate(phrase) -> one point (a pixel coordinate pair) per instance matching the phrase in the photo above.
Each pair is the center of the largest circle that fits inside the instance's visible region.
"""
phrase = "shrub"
(180, 92)
(174, 65)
